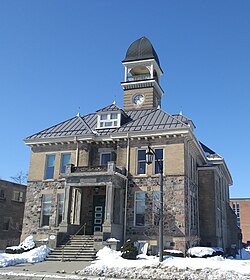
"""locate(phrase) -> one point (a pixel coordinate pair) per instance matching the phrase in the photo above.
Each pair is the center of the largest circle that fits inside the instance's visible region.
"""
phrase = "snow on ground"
(203, 251)
(32, 256)
(111, 264)
(26, 245)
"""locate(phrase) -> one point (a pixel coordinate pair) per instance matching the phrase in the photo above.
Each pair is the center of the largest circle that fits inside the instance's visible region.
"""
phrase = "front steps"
(76, 248)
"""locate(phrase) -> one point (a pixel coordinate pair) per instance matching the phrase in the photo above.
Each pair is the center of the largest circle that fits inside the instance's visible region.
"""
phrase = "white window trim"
(118, 120)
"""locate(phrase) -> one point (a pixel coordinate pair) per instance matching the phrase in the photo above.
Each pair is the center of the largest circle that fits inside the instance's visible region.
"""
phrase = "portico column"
(67, 201)
(109, 204)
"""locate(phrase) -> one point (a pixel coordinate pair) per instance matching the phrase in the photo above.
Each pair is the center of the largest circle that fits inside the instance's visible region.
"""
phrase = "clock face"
(138, 99)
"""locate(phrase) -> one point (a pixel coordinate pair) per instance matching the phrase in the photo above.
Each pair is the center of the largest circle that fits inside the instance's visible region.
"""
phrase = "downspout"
(77, 152)
(197, 205)
(189, 200)
(126, 190)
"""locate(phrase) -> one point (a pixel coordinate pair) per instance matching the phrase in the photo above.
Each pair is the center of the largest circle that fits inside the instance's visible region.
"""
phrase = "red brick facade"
(242, 206)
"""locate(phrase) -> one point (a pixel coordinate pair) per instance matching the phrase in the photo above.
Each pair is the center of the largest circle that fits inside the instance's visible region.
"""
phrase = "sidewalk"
(44, 270)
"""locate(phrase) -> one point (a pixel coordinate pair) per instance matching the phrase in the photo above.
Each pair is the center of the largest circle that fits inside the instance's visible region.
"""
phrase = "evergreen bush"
(129, 251)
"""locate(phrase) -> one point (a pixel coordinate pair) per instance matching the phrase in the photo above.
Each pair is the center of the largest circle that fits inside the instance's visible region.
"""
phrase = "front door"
(98, 212)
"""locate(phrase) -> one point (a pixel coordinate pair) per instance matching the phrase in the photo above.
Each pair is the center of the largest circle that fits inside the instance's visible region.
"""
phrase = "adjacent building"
(90, 171)
(241, 207)
(12, 199)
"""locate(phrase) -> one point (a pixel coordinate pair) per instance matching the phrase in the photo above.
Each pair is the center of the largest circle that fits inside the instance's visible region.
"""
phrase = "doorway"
(98, 212)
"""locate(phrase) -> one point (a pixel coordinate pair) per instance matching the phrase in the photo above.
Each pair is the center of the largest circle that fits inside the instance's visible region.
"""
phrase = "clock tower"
(142, 76)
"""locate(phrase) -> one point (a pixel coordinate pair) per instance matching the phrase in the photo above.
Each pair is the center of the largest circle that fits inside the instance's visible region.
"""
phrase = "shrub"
(129, 251)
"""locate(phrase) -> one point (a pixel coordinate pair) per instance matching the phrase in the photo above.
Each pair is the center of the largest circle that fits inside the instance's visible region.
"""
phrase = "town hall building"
(89, 174)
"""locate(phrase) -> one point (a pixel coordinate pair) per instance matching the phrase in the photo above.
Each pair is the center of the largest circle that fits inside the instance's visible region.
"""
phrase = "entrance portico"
(94, 201)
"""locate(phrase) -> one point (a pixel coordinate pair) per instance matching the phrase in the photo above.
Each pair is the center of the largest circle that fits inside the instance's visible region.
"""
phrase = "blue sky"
(57, 56)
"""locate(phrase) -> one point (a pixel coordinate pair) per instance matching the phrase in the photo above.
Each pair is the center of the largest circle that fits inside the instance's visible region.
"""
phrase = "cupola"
(142, 76)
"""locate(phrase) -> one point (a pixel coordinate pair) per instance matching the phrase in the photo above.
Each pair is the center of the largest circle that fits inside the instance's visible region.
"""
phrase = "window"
(141, 162)
(105, 158)
(6, 223)
(18, 196)
(159, 156)
(65, 159)
(50, 164)
(2, 194)
(236, 209)
(140, 208)
(46, 209)
(156, 208)
(109, 120)
(60, 206)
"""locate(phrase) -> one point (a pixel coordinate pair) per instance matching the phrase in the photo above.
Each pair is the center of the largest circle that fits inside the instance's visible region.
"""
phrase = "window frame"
(60, 210)
(46, 167)
(109, 121)
(6, 220)
(4, 194)
(42, 209)
(141, 161)
(136, 224)
(61, 164)
(156, 169)
(19, 197)
(105, 153)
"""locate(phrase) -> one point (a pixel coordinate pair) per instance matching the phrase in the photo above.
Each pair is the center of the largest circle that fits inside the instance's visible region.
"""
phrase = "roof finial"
(78, 114)
(180, 113)
(114, 102)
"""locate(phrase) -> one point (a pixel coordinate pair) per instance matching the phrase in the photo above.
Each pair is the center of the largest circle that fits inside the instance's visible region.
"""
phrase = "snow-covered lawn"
(32, 256)
(111, 264)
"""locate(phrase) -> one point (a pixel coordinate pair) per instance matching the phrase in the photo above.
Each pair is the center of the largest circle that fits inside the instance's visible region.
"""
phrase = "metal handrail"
(84, 230)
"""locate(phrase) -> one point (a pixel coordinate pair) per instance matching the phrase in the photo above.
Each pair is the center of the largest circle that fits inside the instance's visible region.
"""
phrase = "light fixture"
(96, 190)
(150, 155)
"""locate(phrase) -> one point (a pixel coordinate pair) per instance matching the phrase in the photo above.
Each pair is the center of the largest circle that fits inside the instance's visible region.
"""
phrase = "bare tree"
(20, 178)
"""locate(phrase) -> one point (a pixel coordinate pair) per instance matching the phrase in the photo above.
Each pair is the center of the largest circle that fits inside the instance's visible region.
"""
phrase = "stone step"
(80, 241)
(75, 248)
(73, 253)
(70, 258)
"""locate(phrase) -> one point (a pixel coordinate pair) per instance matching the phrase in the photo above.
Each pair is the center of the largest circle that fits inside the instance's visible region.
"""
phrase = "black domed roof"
(141, 49)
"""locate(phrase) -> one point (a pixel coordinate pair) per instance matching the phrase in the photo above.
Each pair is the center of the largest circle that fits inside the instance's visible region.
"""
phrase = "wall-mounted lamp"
(96, 190)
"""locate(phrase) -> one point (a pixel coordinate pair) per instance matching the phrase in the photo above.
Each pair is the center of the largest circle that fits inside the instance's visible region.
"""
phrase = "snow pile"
(111, 264)
(32, 256)
(106, 251)
(202, 252)
(174, 253)
(24, 246)
(112, 239)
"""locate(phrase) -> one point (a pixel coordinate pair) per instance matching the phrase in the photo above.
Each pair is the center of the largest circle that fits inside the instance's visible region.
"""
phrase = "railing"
(101, 168)
(139, 77)
(84, 230)
(91, 169)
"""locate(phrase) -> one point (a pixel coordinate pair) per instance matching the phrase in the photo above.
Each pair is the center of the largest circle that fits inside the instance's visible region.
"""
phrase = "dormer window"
(109, 120)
